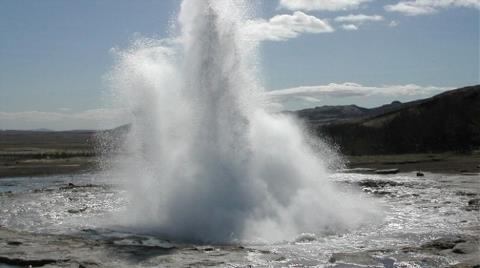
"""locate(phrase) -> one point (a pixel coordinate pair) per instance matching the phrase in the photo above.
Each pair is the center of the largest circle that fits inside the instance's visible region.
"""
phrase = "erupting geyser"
(205, 161)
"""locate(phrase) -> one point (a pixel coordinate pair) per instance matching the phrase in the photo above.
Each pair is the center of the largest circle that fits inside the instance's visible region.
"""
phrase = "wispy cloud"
(423, 7)
(344, 90)
(353, 21)
(328, 5)
(284, 27)
(349, 27)
(358, 18)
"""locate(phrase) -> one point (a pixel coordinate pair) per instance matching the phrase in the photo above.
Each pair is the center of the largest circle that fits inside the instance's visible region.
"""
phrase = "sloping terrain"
(333, 114)
(446, 122)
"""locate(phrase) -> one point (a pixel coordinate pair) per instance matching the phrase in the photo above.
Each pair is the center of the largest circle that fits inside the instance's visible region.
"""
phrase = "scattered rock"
(28, 262)
(280, 258)
(463, 193)
(360, 258)
(377, 183)
(465, 248)
(75, 211)
(91, 231)
(74, 186)
(381, 193)
(42, 190)
(387, 261)
(462, 248)
(448, 242)
(473, 204)
(207, 263)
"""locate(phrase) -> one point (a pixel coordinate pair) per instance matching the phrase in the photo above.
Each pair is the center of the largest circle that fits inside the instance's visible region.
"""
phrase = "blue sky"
(54, 53)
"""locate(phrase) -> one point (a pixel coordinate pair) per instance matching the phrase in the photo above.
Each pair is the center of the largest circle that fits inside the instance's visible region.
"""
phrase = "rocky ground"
(432, 222)
(23, 249)
(463, 249)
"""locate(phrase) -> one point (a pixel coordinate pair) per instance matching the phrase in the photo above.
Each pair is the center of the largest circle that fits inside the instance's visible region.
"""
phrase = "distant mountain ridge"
(330, 114)
(449, 121)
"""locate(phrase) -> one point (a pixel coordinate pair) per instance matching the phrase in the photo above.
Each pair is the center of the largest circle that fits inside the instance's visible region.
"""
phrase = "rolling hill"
(446, 122)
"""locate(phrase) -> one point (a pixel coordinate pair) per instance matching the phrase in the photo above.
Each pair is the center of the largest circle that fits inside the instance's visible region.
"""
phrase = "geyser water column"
(205, 162)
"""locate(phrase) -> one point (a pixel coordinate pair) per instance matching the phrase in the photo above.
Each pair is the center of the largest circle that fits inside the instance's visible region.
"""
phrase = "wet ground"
(69, 221)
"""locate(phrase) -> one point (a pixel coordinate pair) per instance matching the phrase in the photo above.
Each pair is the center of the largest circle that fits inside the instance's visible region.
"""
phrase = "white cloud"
(410, 9)
(352, 22)
(350, 27)
(422, 7)
(360, 18)
(283, 27)
(346, 90)
(329, 5)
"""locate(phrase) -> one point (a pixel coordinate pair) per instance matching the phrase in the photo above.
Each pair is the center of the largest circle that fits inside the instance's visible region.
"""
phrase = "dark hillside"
(446, 122)
(334, 114)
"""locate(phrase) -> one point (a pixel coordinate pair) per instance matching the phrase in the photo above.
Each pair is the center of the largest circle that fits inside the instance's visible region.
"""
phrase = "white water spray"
(205, 162)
